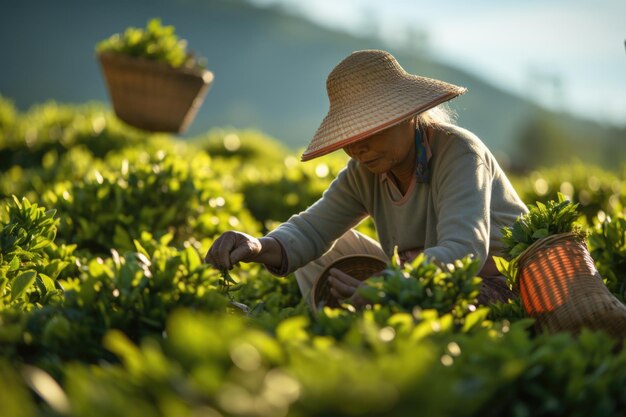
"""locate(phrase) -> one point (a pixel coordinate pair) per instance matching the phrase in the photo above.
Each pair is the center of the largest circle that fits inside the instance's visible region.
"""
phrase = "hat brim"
(312, 154)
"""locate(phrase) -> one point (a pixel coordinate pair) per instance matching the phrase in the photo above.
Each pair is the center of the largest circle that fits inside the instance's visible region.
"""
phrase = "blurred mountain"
(270, 67)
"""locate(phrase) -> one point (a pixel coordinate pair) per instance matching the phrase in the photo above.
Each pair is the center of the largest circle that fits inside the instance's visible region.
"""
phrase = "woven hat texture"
(368, 92)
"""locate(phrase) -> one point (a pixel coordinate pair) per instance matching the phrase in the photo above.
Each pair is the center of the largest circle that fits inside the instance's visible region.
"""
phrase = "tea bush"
(594, 189)
(47, 317)
(56, 128)
(160, 193)
(53, 142)
(607, 244)
(30, 261)
(245, 147)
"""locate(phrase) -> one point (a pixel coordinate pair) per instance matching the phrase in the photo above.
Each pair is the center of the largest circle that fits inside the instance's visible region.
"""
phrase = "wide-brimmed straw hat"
(369, 92)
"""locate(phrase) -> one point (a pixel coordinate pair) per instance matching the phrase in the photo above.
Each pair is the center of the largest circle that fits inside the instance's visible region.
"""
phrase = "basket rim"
(203, 73)
(546, 240)
(328, 267)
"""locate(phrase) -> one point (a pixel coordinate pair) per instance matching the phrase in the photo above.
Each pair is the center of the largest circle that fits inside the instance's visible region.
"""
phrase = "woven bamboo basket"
(152, 95)
(561, 288)
(360, 267)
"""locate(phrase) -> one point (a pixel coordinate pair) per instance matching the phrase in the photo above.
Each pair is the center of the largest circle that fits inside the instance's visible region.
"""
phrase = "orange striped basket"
(152, 95)
(360, 267)
(561, 288)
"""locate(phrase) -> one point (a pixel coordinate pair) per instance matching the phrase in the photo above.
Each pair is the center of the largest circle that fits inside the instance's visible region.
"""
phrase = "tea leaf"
(21, 283)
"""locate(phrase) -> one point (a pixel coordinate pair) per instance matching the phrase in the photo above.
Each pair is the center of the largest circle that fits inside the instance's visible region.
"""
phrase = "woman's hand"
(343, 287)
(232, 247)
(409, 254)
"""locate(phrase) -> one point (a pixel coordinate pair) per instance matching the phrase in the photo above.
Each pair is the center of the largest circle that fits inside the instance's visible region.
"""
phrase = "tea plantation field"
(107, 309)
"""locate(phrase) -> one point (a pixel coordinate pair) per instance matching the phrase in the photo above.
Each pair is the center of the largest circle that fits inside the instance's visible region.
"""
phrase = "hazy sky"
(566, 54)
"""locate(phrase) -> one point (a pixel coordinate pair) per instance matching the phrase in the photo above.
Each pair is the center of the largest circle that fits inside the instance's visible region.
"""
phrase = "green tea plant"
(270, 299)
(607, 245)
(160, 193)
(425, 284)
(514, 373)
(30, 261)
(511, 311)
(133, 292)
(108, 306)
(155, 42)
(32, 267)
(246, 147)
(204, 364)
(295, 186)
(16, 398)
(49, 130)
(52, 142)
(411, 292)
(495, 370)
(594, 189)
(541, 221)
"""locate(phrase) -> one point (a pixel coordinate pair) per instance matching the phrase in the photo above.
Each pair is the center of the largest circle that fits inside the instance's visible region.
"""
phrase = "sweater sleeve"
(309, 234)
(462, 203)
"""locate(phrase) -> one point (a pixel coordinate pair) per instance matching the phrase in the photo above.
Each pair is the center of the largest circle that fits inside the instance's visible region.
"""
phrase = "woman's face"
(387, 150)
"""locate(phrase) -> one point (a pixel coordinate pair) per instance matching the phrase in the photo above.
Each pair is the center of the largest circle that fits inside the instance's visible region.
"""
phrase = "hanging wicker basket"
(360, 267)
(561, 288)
(152, 95)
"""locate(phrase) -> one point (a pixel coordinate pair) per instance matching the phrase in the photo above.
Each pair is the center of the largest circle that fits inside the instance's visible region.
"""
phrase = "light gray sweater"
(460, 212)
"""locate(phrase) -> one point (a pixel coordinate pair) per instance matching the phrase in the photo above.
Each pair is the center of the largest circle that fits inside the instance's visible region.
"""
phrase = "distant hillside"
(270, 67)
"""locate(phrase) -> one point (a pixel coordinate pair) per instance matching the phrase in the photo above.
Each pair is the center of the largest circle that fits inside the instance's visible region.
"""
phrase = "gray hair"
(442, 114)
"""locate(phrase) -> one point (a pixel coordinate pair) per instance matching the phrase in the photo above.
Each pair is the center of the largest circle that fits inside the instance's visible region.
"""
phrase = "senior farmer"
(429, 185)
